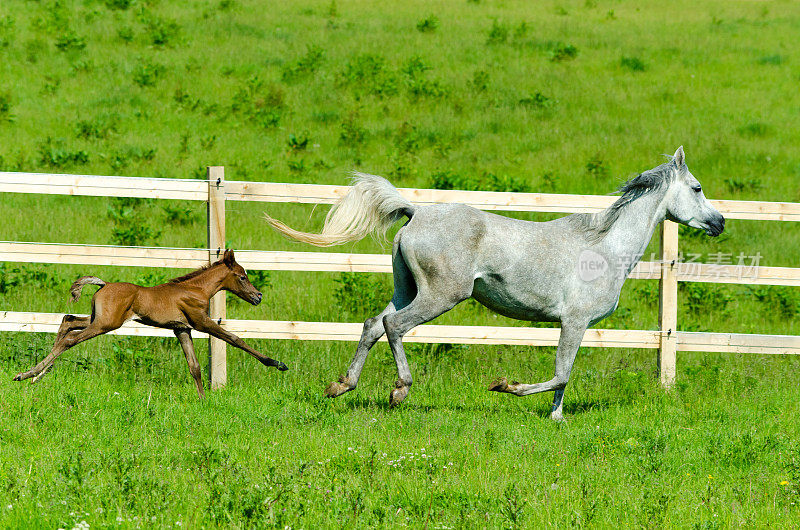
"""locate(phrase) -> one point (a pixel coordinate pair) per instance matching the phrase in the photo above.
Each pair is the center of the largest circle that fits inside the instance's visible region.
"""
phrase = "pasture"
(565, 97)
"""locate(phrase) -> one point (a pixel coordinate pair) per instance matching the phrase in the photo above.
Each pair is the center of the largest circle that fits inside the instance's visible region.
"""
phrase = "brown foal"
(180, 305)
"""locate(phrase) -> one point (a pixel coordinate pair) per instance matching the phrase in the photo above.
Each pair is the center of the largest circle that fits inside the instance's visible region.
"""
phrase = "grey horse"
(569, 270)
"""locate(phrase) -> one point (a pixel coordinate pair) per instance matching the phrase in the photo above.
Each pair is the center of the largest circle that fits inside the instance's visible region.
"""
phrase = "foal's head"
(686, 203)
(236, 280)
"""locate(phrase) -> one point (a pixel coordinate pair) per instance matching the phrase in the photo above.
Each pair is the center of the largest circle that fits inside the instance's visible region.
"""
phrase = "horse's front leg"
(568, 343)
(185, 338)
(202, 322)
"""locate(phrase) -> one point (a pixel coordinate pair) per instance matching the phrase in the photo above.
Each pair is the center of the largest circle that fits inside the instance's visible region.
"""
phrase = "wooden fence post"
(217, 353)
(668, 303)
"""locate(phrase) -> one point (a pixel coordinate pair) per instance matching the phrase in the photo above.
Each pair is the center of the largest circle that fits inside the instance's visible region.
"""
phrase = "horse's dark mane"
(193, 274)
(598, 224)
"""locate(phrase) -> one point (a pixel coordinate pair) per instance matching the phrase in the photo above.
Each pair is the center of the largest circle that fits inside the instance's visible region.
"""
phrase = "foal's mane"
(597, 225)
(194, 273)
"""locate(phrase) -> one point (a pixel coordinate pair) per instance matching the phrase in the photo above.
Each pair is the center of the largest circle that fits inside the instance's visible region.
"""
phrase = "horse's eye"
(243, 278)
(697, 189)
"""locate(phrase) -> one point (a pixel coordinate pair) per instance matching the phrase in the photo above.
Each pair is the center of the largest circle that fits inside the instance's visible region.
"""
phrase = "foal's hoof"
(499, 385)
(19, 377)
(337, 388)
(281, 367)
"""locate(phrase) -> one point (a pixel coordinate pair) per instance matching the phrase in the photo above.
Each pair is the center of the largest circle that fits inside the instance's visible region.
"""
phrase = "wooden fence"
(215, 191)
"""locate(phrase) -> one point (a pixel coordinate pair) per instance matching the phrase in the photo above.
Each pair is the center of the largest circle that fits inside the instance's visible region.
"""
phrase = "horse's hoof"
(336, 389)
(18, 377)
(281, 367)
(558, 418)
(499, 385)
(397, 396)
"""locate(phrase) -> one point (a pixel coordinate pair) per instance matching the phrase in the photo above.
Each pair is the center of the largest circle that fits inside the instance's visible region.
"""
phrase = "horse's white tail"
(372, 206)
(76, 288)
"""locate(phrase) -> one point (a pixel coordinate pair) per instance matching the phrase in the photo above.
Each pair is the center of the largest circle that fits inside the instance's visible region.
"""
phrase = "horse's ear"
(228, 258)
(679, 158)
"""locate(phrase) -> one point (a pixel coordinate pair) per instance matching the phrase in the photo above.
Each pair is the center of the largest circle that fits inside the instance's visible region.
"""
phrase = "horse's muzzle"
(256, 298)
(716, 225)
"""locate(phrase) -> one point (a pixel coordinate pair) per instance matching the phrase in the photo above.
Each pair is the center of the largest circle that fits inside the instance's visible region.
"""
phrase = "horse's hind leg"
(568, 343)
(404, 291)
(70, 339)
(425, 307)
(71, 323)
(185, 338)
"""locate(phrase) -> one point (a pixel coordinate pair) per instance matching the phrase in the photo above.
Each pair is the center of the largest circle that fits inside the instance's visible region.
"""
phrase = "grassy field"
(566, 97)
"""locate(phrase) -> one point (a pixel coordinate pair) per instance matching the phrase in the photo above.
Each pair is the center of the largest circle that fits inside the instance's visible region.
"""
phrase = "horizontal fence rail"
(216, 191)
(183, 258)
(197, 190)
(492, 335)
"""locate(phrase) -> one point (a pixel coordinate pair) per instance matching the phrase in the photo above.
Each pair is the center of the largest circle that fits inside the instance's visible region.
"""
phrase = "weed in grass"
(361, 295)
(159, 31)
(537, 101)
(596, 167)
(7, 31)
(754, 130)
(120, 5)
(259, 103)
(53, 154)
(98, 128)
(512, 507)
(147, 74)
(480, 80)
(785, 300)
(125, 34)
(521, 31)
(297, 166)
(351, 132)
(498, 33)
(428, 24)
(297, 143)
(634, 64)
(739, 185)
(69, 42)
(370, 74)
(560, 52)
(305, 65)
(132, 227)
(5, 108)
(179, 214)
(772, 60)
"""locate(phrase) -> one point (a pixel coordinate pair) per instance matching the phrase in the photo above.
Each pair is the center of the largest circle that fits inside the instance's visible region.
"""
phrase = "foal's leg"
(202, 322)
(404, 291)
(71, 323)
(70, 339)
(185, 338)
(568, 344)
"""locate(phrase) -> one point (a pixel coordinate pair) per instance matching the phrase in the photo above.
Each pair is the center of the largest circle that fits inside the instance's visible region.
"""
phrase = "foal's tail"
(373, 205)
(75, 290)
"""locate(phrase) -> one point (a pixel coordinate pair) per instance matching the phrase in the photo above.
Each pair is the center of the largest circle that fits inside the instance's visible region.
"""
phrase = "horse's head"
(236, 280)
(686, 203)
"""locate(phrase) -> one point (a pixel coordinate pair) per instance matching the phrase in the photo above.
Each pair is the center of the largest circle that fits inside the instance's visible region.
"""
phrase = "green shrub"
(360, 294)
(53, 154)
(428, 25)
(147, 74)
(563, 52)
(634, 64)
(305, 65)
(70, 41)
(5, 108)
(498, 34)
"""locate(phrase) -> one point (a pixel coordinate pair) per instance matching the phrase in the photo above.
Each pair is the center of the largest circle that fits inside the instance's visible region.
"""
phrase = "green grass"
(565, 97)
